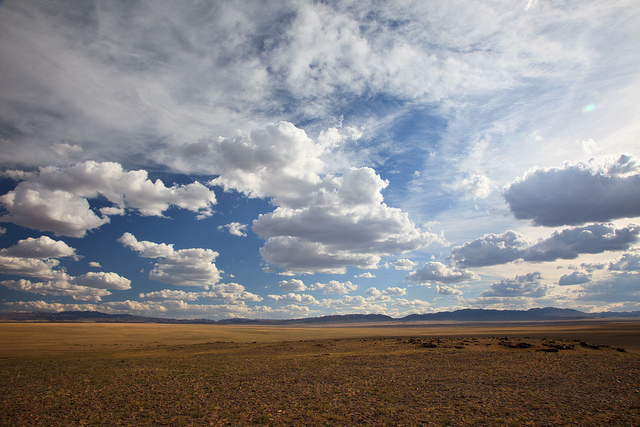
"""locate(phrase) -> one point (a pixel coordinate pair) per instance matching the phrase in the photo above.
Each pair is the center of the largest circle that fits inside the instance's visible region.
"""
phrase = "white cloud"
(575, 278)
(38, 258)
(102, 280)
(589, 146)
(577, 194)
(41, 248)
(628, 262)
(474, 187)
(494, 249)
(56, 199)
(292, 298)
(279, 162)
(528, 285)
(437, 272)
(31, 267)
(57, 288)
(334, 287)
(295, 285)
(47, 210)
(228, 292)
(95, 264)
(366, 275)
(447, 290)
(288, 311)
(404, 264)
(354, 304)
(384, 294)
(235, 228)
(183, 267)
(346, 223)
(169, 294)
(620, 286)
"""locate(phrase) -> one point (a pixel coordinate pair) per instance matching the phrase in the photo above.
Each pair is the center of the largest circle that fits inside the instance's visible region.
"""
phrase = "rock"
(521, 345)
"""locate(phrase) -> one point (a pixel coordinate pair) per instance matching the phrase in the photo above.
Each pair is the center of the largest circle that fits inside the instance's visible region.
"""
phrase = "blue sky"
(296, 158)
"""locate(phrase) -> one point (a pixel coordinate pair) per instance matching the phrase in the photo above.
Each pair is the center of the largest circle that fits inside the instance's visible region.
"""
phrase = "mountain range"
(464, 315)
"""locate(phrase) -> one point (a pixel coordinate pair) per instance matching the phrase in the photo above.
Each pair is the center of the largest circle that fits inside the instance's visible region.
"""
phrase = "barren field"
(147, 374)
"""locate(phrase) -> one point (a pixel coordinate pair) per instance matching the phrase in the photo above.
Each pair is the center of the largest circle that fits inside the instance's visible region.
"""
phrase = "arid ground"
(557, 373)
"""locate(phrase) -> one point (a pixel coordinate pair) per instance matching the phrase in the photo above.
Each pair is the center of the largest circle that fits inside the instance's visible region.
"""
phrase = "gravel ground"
(347, 382)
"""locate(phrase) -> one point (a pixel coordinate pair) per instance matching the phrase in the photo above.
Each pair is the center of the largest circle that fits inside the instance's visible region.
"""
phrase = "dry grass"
(56, 338)
(299, 376)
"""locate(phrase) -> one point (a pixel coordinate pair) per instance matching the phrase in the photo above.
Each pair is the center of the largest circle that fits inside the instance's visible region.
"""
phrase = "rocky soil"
(348, 382)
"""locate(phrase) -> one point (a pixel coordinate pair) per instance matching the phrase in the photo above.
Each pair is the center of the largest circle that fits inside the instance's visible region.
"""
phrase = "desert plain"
(516, 374)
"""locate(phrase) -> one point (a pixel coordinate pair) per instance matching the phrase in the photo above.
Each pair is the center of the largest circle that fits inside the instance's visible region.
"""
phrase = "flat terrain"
(149, 374)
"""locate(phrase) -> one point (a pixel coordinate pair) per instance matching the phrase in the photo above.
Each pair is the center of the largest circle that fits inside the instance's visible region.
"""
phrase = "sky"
(223, 159)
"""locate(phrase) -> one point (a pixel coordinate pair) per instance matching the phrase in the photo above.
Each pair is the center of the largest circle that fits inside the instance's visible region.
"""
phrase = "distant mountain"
(481, 315)
(465, 315)
(86, 316)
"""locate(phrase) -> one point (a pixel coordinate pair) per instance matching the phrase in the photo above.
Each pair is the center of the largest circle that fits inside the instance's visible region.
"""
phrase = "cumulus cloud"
(491, 249)
(279, 161)
(102, 280)
(56, 198)
(577, 194)
(169, 294)
(374, 293)
(404, 264)
(31, 267)
(228, 292)
(590, 239)
(620, 286)
(171, 308)
(235, 229)
(38, 258)
(322, 222)
(528, 286)
(494, 249)
(628, 262)
(447, 290)
(296, 285)
(575, 278)
(57, 288)
(437, 272)
(292, 298)
(334, 287)
(346, 223)
(41, 248)
(354, 304)
(366, 275)
(47, 210)
(183, 267)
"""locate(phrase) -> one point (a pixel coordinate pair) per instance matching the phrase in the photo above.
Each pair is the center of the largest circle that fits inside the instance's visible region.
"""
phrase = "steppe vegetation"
(340, 376)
